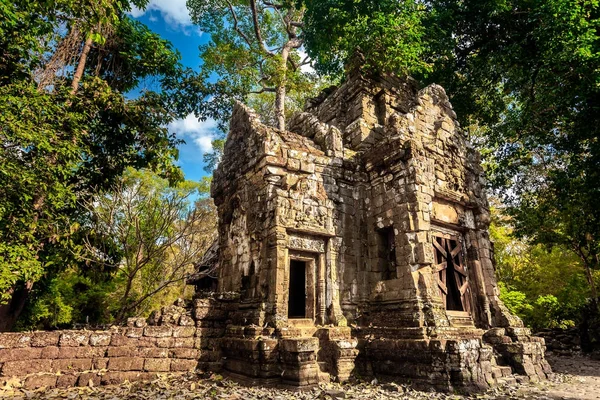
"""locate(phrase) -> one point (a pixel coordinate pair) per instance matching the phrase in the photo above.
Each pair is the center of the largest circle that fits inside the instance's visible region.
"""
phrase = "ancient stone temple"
(356, 243)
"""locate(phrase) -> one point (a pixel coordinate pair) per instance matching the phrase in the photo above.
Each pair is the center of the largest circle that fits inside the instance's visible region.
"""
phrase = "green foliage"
(389, 34)
(132, 53)
(544, 286)
(515, 301)
(138, 242)
(69, 297)
(254, 50)
(64, 137)
(528, 71)
(158, 233)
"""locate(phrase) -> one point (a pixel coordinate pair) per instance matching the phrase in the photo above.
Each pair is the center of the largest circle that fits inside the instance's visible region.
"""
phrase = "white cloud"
(201, 133)
(174, 12)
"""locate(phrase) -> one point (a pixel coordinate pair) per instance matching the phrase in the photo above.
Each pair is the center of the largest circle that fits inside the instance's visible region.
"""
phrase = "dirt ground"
(575, 377)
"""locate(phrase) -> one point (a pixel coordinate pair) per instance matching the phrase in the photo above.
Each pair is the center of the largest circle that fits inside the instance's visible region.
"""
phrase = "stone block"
(25, 367)
(184, 353)
(184, 331)
(81, 352)
(125, 364)
(66, 380)
(73, 338)
(183, 365)
(300, 345)
(89, 379)
(136, 322)
(149, 341)
(157, 364)
(153, 352)
(13, 340)
(134, 332)
(121, 340)
(186, 320)
(184, 342)
(100, 339)
(21, 353)
(72, 365)
(44, 339)
(100, 363)
(39, 381)
(122, 351)
(50, 352)
(158, 331)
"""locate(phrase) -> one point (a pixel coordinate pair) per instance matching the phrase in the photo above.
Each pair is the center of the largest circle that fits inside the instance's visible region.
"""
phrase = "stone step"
(506, 370)
(506, 381)
(501, 372)
(460, 322)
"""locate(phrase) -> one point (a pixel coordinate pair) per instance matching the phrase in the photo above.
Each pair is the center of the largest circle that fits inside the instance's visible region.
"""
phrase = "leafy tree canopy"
(389, 34)
(67, 130)
(527, 70)
(253, 55)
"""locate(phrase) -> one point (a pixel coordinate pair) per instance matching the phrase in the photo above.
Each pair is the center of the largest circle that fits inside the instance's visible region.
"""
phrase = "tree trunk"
(590, 279)
(588, 270)
(81, 65)
(280, 107)
(280, 91)
(9, 313)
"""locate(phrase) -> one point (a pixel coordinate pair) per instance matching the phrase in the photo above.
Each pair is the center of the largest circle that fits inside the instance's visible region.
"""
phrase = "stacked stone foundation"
(298, 356)
(76, 358)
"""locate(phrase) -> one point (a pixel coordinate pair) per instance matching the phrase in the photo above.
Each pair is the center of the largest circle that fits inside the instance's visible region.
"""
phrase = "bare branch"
(235, 24)
(273, 5)
(264, 90)
(257, 28)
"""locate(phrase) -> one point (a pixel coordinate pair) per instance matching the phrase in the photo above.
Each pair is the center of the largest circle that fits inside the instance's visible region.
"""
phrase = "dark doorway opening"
(453, 283)
(453, 301)
(297, 299)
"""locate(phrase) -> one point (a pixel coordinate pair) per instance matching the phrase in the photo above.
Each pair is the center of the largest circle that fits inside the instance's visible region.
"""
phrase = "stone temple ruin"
(356, 243)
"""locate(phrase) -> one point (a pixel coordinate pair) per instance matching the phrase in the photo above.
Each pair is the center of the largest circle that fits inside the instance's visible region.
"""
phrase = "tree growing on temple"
(254, 55)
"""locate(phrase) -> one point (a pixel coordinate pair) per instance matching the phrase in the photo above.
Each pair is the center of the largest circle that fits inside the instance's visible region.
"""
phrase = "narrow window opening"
(380, 111)
(247, 283)
(297, 291)
(387, 253)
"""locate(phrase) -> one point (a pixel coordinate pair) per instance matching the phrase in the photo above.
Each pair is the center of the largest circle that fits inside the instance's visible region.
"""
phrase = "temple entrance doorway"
(297, 290)
(452, 274)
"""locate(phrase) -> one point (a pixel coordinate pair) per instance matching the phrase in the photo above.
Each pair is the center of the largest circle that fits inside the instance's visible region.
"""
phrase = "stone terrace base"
(299, 355)
(464, 360)
(290, 357)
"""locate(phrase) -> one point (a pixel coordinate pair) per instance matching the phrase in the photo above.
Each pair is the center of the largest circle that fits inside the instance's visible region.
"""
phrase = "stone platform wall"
(136, 352)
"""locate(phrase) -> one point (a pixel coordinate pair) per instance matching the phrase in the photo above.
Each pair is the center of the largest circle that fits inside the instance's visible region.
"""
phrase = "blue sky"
(170, 19)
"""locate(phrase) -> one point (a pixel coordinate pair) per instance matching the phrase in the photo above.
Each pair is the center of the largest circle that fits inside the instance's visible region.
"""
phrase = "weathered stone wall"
(560, 341)
(136, 352)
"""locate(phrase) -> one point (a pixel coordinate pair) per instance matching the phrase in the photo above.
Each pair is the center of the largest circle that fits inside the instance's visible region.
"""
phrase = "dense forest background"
(97, 222)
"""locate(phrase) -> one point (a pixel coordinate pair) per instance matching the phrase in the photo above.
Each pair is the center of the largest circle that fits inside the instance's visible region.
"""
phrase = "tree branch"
(235, 24)
(257, 28)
